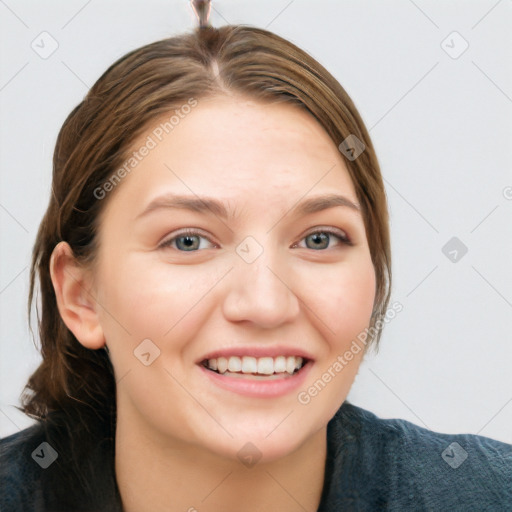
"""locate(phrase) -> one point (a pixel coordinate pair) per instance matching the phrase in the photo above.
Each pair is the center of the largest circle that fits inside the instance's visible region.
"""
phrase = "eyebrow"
(211, 205)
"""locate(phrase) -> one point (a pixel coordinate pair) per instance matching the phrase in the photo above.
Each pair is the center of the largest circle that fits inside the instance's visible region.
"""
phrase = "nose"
(261, 292)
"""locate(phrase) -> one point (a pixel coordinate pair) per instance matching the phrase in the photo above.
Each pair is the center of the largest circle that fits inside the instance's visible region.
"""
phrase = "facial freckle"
(253, 290)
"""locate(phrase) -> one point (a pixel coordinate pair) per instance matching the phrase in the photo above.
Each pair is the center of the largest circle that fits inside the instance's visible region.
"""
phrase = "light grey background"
(442, 131)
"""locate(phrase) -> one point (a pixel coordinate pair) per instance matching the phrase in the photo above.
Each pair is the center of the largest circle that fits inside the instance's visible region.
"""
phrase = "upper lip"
(257, 351)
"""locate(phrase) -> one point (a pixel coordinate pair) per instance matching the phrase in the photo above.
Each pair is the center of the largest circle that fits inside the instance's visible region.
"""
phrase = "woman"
(214, 263)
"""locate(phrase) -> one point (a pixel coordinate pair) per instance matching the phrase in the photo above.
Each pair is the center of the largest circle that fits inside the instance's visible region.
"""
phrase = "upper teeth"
(261, 365)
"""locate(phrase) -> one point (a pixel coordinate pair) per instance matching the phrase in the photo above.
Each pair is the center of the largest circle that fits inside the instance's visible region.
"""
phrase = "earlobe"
(76, 304)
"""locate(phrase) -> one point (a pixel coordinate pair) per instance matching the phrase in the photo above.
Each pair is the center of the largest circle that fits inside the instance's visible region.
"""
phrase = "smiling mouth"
(267, 368)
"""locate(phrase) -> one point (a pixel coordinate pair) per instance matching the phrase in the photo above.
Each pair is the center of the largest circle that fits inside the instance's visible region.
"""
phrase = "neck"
(157, 476)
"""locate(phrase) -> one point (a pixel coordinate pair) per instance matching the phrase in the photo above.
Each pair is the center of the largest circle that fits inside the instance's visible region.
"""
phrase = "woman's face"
(251, 289)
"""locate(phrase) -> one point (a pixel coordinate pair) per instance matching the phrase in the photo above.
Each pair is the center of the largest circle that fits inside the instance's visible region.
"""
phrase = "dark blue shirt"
(372, 464)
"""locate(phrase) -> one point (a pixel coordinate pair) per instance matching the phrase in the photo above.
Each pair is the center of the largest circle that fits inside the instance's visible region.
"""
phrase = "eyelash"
(343, 238)
(340, 235)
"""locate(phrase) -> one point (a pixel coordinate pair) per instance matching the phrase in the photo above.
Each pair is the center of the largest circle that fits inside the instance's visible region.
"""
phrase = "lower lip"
(259, 388)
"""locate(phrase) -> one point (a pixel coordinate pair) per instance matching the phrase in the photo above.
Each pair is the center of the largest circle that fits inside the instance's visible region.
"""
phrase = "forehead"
(233, 147)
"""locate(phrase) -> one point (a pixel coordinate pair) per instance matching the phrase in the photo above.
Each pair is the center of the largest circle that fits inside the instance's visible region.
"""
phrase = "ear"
(77, 305)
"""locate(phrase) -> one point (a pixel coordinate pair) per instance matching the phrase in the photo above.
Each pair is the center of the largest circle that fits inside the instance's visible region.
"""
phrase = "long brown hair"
(76, 382)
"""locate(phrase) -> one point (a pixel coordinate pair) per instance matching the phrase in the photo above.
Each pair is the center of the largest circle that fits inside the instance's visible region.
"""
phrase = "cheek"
(342, 310)
(159, 301)
(344, 304)
(152, 300)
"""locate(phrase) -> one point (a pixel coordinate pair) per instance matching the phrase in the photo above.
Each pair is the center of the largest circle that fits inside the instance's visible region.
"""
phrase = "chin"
(261, 441)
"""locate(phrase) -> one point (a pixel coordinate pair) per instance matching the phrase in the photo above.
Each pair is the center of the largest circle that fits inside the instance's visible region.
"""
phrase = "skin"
(178, 435)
